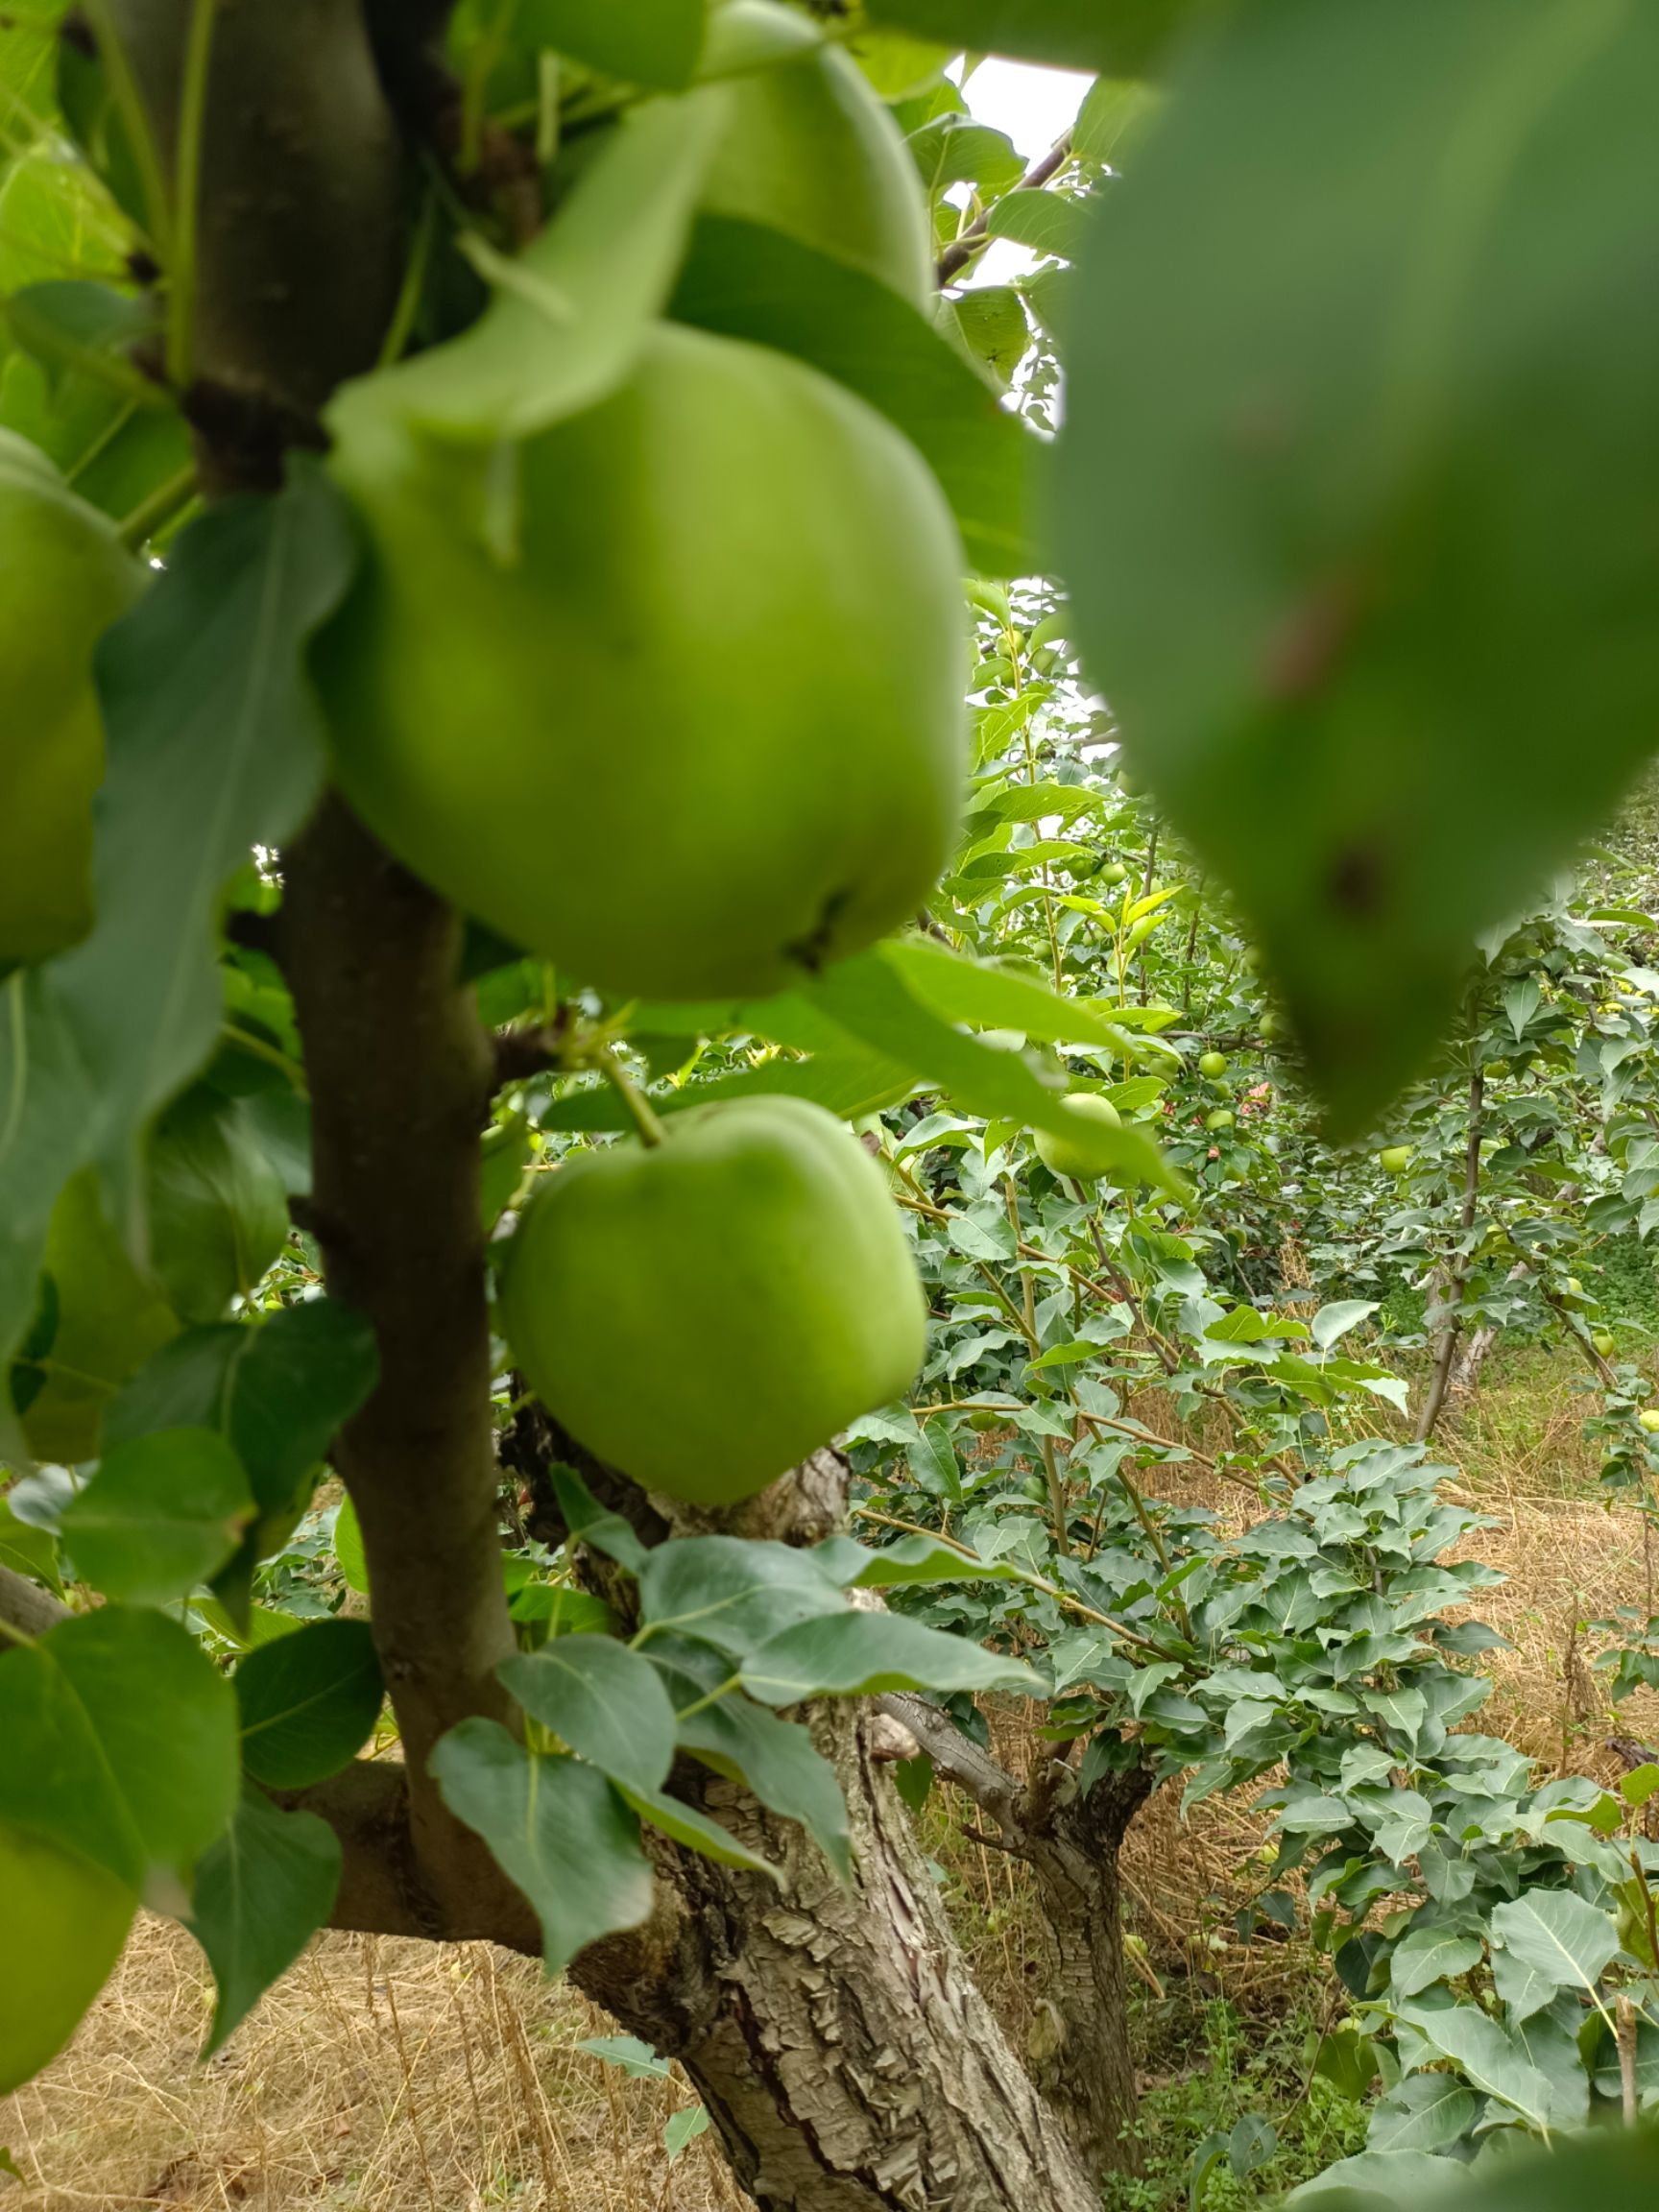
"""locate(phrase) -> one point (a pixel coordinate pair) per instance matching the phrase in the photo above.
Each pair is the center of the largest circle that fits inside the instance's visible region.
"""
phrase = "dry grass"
(380, 2076)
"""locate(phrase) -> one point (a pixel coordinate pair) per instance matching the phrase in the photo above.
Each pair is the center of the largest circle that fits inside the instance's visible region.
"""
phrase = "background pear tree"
(501, 506)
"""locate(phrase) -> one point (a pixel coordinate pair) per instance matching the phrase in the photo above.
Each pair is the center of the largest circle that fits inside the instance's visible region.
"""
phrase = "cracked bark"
(1071, 1843)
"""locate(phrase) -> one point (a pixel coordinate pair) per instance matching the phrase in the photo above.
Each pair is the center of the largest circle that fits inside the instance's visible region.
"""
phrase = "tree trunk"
(835, 2034)
(1080, 2046)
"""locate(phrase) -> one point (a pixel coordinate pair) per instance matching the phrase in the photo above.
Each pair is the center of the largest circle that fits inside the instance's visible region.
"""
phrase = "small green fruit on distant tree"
(705, 1312)
(1649, 1418)
(1221, 1119)
(1112, 871)
(64, 576)
(1060, 1156)
(1394, 1159)
(1605, 1343)
(1213, 1064)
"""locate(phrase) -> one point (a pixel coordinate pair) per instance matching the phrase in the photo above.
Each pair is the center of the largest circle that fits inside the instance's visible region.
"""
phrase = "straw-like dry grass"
(382, 2075)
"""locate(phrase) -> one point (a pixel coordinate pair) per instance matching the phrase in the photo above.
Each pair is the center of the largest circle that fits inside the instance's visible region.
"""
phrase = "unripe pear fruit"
(1605, 1343)
(1648, 1418)
(706, 1312)
(64, 577)
(1574, 1289)
(1213, 1064)
(1270, 1029)
(698, 729)
(1060, 1155)
(811, 151)
(1394, 1159)
(62, 1923)
(1221, 1119)
(1112, 871)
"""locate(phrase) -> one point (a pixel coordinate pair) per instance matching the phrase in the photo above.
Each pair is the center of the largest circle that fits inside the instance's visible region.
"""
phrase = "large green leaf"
(1558, 1936)
(213, 747)
(308, 1702)
(697, 1831)
(731, 1592)
(262, 1892)
(570, 313)
(1115, 35)
(605, 1701)
(556, 1829)
(1355, 503)
(646, 42)
(161, 1514)
(280, 1389)
(747, 281)
(854, 1654)
(1489, 2057)
(62, 1923)
(1426, 2112)
(875, 999)
(775, 1758)
(120, 1743)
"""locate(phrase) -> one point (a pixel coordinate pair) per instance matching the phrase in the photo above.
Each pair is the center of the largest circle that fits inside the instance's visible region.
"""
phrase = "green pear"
(64, 577)
(62, 1923)
(1221, 1119)
(705, 1312)
(693, 726)
(1394, 1159)
(811, 151)
(1213, 1064)
(1059, 1155)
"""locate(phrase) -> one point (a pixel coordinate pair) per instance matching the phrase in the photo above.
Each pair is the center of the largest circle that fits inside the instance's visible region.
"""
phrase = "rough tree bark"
(1070, 1841)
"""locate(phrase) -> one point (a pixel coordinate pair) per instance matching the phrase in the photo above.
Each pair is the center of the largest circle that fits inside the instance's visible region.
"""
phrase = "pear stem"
(645, 1121)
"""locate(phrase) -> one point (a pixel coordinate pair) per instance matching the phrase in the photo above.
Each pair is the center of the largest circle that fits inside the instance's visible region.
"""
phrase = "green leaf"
(1348, 2061)
(1043, 221)
(1430, 1955)
(556, 1829)
(1558, 1936)
(696, 1831)
(732, 1592)
(775, 1758)
(590, 1523)
(1119, 36)
(989, 321)
(997, 997)
(571, 312)
(872, 998)
(747, 281)
(28, 1551)
(1489, 2058)
(913, 1561)
(632, 2057)
(161, 1514)
(1380, 2181)
(120, 1740)
(654, 43)
(63, 1924)
(1354, 501)
(308, 1702)
(262, 1892)
(348, 1554)
(1637, 1787)
(682, 2128)
(1336, 1319)
(1114, 115)
(1426, 2112)
(850, 1654)
(607, 1702)
(280, 1389)
(213, 747)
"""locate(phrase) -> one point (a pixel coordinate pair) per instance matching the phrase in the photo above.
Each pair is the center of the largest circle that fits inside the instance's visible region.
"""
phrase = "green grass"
(1226, 2067)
